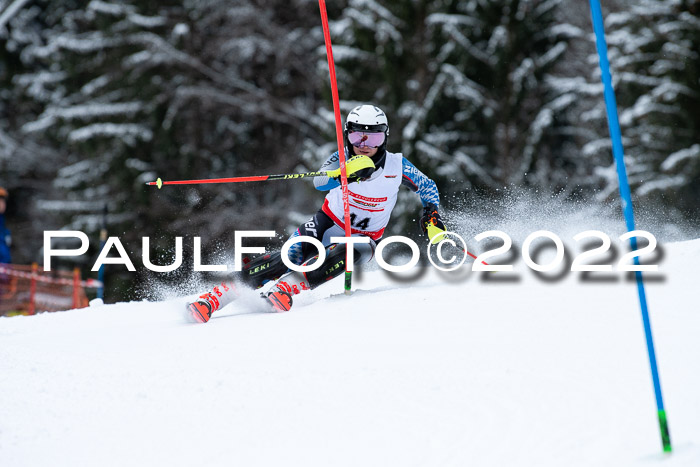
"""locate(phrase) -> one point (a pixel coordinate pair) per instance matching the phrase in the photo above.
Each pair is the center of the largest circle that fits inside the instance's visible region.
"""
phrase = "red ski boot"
(280, 299)
(288, 285)
(200, 311)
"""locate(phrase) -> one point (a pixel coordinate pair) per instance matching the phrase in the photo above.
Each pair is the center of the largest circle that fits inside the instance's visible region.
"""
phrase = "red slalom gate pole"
(339, 136)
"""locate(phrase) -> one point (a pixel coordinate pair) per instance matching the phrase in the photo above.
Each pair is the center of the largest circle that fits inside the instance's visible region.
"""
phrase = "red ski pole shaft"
(256, 178)
(474, 256)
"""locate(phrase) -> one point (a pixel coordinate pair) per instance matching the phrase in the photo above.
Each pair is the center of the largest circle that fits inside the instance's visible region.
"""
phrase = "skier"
(374, 176)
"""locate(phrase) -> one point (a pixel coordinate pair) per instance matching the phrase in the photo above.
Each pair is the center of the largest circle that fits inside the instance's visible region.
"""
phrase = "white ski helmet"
(367, 118)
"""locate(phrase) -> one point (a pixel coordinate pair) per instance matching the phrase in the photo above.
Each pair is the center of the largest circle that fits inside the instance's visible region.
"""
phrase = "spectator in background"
(5, 238)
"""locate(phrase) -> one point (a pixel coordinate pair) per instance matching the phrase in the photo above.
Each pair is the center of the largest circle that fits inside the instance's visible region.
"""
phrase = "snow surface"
(441, 370)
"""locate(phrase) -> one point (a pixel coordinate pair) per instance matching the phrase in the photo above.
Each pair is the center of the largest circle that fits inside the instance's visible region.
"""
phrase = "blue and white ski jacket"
(372, 200)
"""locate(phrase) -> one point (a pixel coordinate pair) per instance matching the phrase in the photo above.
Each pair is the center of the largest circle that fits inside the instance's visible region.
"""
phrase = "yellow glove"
(431, 224)
(357, 168)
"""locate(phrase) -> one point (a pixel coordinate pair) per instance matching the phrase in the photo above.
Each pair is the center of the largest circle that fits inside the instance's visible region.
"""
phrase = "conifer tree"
(134, 90)
(654, 51)
(476, 89)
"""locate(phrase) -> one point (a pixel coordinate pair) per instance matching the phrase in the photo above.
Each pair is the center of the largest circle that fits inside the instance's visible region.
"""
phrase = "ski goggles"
(362, 139)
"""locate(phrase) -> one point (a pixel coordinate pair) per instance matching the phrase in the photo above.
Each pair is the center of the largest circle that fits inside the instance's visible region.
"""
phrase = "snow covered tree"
(476, 89)
(129, 91)
(496, 114)
(25, 165)
(481, 95)
(188, 91)
(654, 51)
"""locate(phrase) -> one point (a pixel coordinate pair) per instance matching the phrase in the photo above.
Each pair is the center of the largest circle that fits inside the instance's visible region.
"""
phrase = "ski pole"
(436, 235)
(256, 178)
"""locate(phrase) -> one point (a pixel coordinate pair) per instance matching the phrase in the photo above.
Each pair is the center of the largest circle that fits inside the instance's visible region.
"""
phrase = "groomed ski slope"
(419, 373)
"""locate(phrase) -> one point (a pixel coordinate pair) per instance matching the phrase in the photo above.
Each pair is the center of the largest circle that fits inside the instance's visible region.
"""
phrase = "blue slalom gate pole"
(628, 210)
